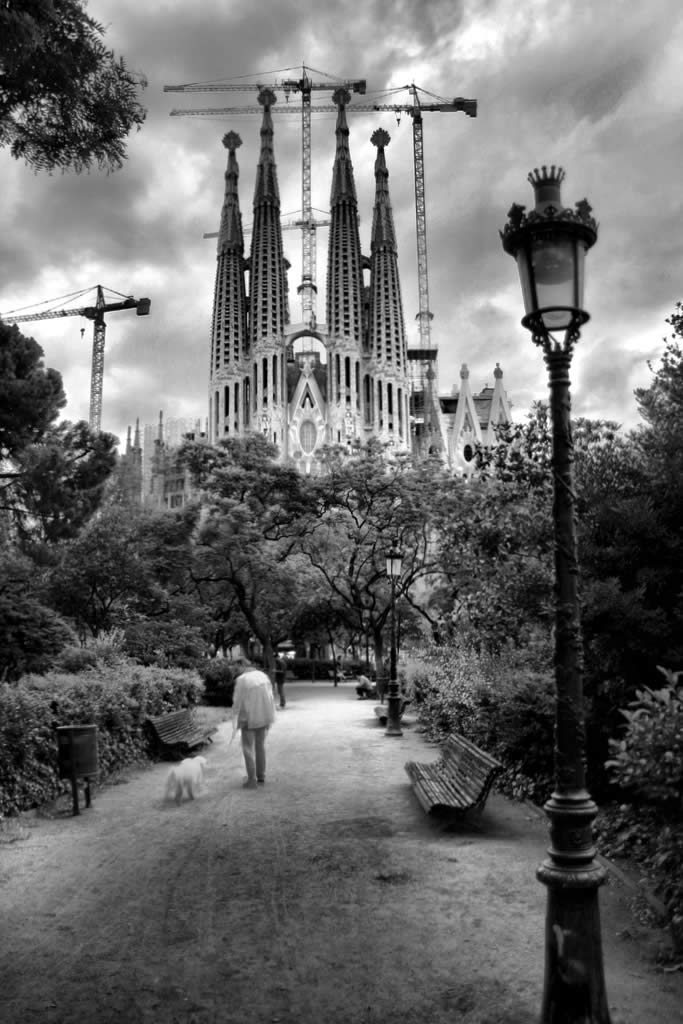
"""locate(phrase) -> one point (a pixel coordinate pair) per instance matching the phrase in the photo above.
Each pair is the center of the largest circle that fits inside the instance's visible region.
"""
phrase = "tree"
(496, 542)
(66, 101)
(128, 566)
(247, 547)
(30, 395)
(52, 475)
(31, 633)
(60, 482)
(358, 508)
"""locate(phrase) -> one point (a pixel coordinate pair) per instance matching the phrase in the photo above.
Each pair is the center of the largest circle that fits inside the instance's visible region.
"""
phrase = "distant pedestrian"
(253, 713)
(280, 676)
(364, 688)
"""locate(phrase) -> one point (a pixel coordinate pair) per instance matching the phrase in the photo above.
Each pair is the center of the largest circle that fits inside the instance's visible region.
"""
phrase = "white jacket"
(252, 702)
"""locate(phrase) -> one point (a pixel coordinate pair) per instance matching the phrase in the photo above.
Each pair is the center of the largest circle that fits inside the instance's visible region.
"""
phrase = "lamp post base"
(574, 985)
(393, 715)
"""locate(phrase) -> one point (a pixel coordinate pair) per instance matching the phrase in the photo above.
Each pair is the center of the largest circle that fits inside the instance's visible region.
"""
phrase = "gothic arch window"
(307, 401)
(308, 435)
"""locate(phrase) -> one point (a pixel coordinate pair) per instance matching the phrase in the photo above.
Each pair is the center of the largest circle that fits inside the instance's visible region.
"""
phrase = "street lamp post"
(549, 245)
(394, 558)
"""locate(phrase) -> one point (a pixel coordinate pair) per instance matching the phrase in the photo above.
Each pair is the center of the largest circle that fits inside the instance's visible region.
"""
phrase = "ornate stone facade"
(307, 385)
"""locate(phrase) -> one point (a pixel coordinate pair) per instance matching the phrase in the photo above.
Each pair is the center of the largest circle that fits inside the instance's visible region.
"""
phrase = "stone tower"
(308, 385)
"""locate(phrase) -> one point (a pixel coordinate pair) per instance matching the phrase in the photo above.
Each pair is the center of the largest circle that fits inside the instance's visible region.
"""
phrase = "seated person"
(365, 687)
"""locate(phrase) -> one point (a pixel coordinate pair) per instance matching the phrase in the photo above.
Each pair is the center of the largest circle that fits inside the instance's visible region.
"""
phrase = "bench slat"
(461, 779)
(177, 732)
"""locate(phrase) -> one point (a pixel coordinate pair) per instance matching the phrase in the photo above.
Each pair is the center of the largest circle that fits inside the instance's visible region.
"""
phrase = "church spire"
(268, 286)
(344, 262)
(230, 234)
(386, 323)
(229, 322)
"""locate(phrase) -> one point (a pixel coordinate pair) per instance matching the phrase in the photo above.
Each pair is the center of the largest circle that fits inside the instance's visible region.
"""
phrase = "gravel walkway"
(327, 895)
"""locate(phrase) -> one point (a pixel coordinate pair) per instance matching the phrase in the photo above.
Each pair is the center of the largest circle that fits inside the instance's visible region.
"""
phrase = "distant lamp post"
(549, 245)
(394, 558)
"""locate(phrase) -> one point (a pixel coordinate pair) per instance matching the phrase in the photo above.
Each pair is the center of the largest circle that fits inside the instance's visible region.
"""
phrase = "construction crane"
(305, 86)
(96, 314)
(308, 313)
(423, 358)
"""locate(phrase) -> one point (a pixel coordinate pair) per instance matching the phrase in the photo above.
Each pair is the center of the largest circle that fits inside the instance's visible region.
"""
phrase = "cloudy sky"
(594, 87)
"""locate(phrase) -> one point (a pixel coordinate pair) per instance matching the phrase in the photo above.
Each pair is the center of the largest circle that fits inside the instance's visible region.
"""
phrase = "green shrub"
(504, 704)
(647, 765)
(311, 668)
(219, 675)
(648, 760)
(165, 642)
(117, 700)
(514, 720)
(31, 635)
(75, 659)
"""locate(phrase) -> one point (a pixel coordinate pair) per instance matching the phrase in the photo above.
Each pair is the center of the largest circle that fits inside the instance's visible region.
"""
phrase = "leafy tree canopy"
(62, 480)
(30, 394)
(31, 633)
(123, 564)
(66, 101)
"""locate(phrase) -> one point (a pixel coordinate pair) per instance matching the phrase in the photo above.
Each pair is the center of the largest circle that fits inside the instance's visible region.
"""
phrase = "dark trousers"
(254, 751)
(280, 684)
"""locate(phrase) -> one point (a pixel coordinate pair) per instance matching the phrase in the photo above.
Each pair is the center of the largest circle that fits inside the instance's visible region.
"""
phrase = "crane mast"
(96, 314)
(304, 85)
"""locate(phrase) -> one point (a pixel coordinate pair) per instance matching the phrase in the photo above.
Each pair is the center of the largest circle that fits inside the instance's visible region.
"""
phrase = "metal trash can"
(77, 753)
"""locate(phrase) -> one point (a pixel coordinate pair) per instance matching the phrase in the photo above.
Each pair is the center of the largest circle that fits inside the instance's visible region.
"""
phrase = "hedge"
(116, 699)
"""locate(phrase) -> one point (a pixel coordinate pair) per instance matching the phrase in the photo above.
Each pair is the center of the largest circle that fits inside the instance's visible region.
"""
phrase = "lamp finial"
(546, 184)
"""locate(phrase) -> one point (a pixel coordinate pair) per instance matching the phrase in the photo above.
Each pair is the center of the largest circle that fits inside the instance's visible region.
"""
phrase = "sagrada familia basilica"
(307, 385)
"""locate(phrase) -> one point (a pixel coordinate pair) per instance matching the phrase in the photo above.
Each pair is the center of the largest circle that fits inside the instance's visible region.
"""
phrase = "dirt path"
(328, 895)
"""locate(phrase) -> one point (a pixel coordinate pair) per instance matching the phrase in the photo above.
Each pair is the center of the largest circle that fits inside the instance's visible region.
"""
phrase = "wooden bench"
(460, 780)
(177, 733)
(382, 710)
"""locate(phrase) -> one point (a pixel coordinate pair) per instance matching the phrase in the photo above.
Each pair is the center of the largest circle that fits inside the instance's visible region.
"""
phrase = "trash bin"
(77, 753)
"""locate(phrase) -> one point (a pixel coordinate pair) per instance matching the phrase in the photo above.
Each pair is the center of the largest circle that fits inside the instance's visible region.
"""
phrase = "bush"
(219, 677)
(164, 642)
(506, 705)
(75, 659)
(31, 635)
(648, 761)
(311, 668)
(116, 700)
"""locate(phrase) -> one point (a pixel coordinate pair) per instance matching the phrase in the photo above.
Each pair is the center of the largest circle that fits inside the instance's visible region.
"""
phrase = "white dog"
(188, 776)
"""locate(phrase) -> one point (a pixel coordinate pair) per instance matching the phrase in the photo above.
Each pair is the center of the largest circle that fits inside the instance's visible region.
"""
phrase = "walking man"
(280, 674)
(253, 713)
